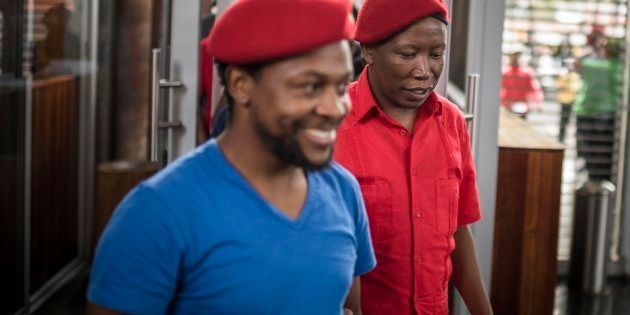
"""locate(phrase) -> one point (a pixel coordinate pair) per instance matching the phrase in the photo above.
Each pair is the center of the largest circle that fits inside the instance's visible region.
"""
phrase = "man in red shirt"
(520, 87)
(410, 150)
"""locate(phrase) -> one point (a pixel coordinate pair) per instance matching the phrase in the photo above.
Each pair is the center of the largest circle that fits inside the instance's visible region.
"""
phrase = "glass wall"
(12, 100)
(44, 90)
(556, 40)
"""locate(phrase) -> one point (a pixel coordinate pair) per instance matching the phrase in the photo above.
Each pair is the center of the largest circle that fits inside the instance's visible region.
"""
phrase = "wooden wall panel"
(114, 180)
(526, 223)
(54, 208)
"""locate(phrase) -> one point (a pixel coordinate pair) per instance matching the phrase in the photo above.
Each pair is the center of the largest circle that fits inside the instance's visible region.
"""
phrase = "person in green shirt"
(595, 104)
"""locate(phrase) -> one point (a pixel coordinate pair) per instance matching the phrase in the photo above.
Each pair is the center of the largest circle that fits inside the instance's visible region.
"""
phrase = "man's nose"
(334, 105)
(421, 68)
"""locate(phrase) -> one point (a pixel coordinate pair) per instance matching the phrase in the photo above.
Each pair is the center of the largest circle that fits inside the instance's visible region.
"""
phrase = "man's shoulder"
(184, 174)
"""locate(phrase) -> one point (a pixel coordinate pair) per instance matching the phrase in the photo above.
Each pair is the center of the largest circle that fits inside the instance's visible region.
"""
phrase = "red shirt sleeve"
(469, 208)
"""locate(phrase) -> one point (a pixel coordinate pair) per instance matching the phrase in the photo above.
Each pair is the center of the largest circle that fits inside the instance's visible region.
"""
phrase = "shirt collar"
(365, 101)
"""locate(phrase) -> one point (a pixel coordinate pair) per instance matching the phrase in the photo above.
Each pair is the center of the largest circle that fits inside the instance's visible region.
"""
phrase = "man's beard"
(286, 147)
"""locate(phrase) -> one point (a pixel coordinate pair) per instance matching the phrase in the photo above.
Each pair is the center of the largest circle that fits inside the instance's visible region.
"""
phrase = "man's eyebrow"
(405, 46)
(322, 76)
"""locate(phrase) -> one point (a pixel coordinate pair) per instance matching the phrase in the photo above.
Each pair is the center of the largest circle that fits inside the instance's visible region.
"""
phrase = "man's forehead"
(332, 60)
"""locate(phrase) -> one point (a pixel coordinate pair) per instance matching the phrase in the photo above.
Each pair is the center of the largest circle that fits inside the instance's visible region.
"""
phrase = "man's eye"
(407, 55)
(341, 88)
(311, 87)
(437, 55)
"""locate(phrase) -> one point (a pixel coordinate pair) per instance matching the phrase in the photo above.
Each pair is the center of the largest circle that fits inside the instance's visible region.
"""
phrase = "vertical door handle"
(170, 123)
(472, 108)
(155, 102)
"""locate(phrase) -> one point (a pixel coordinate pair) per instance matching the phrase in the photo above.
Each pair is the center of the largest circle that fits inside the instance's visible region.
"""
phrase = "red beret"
(252, 31)
(379, 19)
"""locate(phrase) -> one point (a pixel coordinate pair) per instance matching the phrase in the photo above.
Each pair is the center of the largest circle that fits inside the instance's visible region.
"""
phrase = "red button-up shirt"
(418, 187)
(519, 84)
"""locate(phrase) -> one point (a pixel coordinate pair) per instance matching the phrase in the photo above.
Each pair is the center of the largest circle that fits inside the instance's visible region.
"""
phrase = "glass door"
(45, 96)
(12, 101)
(174, 82)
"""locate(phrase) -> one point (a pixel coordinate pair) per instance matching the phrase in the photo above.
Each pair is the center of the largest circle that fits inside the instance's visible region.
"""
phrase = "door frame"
(183, 53)
(622, 195)
(86, 159)
(485, 33)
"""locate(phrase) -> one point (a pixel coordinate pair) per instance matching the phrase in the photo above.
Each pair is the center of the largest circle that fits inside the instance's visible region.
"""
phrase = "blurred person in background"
(260, 220)
(568, 84)
(520, 89)
(596, 101)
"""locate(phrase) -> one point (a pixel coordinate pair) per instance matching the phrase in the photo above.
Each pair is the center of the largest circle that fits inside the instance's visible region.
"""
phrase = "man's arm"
(466, 275)
(353, 300)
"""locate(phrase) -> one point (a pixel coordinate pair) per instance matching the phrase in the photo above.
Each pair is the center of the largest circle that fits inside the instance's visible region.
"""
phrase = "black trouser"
(565, 116)
(595, 142)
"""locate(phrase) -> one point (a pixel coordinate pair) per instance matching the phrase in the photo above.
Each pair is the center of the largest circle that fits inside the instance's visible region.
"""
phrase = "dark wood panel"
(54, 214)
(507, 255)
(113, 181)
(526, 223)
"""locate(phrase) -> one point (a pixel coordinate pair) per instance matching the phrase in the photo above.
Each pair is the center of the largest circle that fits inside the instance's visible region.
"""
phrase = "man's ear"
(368, 54)
(240, 84)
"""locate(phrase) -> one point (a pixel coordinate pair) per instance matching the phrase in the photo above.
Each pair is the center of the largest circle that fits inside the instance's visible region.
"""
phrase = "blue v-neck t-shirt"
(198, 239)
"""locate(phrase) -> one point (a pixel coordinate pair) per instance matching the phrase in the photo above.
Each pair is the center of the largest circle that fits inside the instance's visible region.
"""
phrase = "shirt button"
(354, 123)
(403, 132)
(420, 258)
(418, 215)
(414, 171)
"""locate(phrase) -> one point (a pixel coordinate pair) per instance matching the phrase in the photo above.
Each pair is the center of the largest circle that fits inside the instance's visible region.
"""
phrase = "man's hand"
(352, 306)
(466, 275)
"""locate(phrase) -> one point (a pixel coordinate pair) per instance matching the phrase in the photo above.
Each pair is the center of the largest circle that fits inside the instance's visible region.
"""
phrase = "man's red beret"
(252, 31)
(379, 19)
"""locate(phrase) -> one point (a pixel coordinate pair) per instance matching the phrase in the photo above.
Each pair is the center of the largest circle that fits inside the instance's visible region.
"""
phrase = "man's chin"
(310, 165)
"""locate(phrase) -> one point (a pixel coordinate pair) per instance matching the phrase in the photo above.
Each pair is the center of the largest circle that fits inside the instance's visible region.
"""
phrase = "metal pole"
(472, 90)
(155, 90)
(621, 160)
(28, 151)
(626, 216)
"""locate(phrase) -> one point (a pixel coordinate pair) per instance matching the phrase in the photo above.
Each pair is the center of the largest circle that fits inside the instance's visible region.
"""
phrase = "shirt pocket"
(377, 194)
(447, 205)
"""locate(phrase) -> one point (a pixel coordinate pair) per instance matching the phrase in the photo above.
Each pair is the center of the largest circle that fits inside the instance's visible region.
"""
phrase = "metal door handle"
(472, 108)
(170, 84)
(156, 85)
(173, 123)
(155, 58)
(170, 124)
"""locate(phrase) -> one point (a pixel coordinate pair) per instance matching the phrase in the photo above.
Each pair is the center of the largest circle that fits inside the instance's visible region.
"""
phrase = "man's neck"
(252, 158)
(284, 186)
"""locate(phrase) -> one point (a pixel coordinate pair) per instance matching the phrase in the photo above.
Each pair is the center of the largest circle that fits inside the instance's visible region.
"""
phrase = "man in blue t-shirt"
(259, 221)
